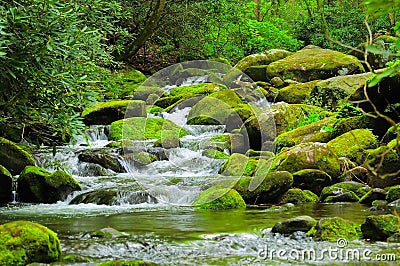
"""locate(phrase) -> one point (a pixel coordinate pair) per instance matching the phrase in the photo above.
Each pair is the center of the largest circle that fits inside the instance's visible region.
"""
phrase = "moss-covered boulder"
(382, 164)
(103, 158)
(281, 117)
(140, 128)
(347, 124)
(123, 83)
(143, 92)
(380, 227)
(296, 92)
(113, 197)
(296, 224)
(13, 157)
(23, 242)
(298, 196)
(327, 93)
(141, 158)
(104, 113)
(331, 229)
(393, 193)
(314, 132)
(312, 63)
(348, 191)
(239, 165)
(6, 180)
(216, 198)
(353, 143)
(308, 156)
(214, 109)
(35, 184)
(373, 195)
(311, 179)
(264, 189)
(215, 154)
(169, 139)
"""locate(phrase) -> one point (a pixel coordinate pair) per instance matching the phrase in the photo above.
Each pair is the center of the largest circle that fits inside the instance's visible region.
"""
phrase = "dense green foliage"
(55, 56)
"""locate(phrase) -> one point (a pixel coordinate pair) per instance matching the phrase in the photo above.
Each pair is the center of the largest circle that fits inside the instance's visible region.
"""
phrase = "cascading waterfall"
(14, 188)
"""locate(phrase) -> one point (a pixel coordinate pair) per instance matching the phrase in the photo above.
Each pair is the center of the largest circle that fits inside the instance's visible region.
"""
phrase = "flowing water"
(160, 225)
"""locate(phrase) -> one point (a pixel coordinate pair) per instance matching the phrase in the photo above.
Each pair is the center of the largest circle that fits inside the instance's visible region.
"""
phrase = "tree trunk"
(257, 7)
(133, 47)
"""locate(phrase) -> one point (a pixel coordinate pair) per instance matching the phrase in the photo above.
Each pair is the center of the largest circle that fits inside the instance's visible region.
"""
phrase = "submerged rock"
(380, 227)
(331, 229)
(312, 63)
(6, 180)
(114, 197)
(289, 226)
(108, 232)
(35, 184)
(216, 198)
(23, 242)
(13, 157)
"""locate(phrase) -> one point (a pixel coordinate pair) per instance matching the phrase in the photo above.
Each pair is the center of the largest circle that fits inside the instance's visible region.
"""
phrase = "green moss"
(239, 165)
(296, 196)
(352, 143)
(312, 63)
(154, 109)
(23, 242)
(13, 157)
(331, 229)
(308, 156)
(308, 133)
(126, 263)
(106, 105)
(264, 189)
(61, 178)
(171, 101)
(217, 199)
(380, 227)
(311, 179)
(216, 154)
(347, 124)
(123, 83)
(141, 128)
(203, 88)
(344, 192)
(393, 193)
(296, 93)
(6, 180)
(221, 138)
(169, 139)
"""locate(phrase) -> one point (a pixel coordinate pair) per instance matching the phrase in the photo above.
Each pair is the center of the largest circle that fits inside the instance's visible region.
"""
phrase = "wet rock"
(353, 143)
(344, 192)
(104, 113)
(312, 63)
(216, 198)
(395, 238)
(384, 163)
(108, 232)
(215, 154)
(141, 128)
(308, 156)
(311, 179)
(372, 195)
(6, 180)
(102, 158)
(238, 165)
(264, 189)
(393, 193)
(379, 205)
(143, 92)
(289, 226)
(277, 82)
(281, 208)
(23, 242)
(296, 92)
(343, 125)
(314, 132)
(331, 229)
(13, 157)
(297, 196)
(214, 109)
(380, 227)
(37, 185)
(328, 93)
(169, 139)
(140, 158)
(114, 197)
